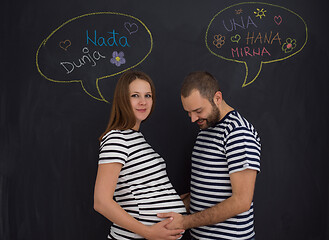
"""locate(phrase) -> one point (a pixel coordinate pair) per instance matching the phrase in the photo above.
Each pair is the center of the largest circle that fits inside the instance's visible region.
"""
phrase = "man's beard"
(213, 117)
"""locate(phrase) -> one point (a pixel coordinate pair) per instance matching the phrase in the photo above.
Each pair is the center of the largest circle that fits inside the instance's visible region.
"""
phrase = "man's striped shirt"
(143, 188)
(232, 145)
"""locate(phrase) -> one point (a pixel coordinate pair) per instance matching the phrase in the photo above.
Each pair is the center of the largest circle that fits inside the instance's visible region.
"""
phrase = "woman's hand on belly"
(159, 231)
(176, 223)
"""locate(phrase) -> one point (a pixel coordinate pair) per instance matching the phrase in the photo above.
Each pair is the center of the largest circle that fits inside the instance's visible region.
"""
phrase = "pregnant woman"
(132, 185)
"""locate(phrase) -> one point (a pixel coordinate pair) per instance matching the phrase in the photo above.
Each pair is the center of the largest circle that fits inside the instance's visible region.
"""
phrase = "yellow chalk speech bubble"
(255, 33)
(93, 47)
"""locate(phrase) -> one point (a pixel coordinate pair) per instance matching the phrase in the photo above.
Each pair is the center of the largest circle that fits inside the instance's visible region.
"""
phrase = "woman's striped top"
(143, 188)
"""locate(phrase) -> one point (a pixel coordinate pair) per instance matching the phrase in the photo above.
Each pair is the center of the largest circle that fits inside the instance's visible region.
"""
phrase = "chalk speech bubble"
(92, 47)
(255, 33)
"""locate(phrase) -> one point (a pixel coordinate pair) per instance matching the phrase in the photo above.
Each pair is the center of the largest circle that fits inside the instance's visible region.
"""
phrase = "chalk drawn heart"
(236, 38)
(278, 20)
(131, 27)
(65, 44)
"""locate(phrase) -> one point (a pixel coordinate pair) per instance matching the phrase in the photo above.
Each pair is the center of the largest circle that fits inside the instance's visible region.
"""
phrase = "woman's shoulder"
(120, 134)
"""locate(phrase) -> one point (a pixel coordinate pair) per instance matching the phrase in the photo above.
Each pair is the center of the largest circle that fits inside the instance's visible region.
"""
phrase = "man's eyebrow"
(196, 110)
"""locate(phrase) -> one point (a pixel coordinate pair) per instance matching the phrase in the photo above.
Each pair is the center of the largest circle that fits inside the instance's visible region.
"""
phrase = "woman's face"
(141, 100)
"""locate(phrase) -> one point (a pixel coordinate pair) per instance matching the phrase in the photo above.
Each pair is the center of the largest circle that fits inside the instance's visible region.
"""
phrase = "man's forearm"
(218, 213)
(243, 184)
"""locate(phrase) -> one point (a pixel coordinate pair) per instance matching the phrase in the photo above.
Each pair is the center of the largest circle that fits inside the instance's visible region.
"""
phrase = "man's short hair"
(202, 81)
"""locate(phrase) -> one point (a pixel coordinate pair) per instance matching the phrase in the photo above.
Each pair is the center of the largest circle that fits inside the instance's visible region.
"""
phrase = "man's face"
(200, 110)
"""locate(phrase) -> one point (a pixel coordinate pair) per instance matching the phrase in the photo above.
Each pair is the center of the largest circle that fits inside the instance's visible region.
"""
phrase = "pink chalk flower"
(118, 58)
(289, 45)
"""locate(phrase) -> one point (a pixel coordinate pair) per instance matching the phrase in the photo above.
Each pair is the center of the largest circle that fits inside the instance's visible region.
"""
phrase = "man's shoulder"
(236, 120)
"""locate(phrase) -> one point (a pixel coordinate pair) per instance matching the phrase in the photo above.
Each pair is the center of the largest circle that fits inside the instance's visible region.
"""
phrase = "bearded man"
(225, 162)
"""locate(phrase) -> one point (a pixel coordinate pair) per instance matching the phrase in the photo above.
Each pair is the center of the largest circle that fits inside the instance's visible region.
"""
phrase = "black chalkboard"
(60, 61)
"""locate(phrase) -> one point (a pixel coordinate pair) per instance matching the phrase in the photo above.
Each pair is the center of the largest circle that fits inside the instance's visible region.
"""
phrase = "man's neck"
(224, 110)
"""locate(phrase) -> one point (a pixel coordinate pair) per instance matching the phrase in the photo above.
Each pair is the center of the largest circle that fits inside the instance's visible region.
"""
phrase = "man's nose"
(194, 117)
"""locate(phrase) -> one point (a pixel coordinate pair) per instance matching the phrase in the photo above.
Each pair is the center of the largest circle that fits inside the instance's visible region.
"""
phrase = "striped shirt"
(143, 188)
(232, 145)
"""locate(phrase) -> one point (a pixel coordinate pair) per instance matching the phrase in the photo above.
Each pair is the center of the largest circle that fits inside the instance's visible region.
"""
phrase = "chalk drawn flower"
(118, 58)
(219, 40)
(289, 45)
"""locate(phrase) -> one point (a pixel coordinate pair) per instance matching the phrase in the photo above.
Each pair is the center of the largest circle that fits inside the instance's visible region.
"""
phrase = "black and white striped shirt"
(143, 188)
(232, 145)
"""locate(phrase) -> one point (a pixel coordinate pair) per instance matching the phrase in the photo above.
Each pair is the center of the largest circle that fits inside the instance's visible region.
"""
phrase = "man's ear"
(218, 98)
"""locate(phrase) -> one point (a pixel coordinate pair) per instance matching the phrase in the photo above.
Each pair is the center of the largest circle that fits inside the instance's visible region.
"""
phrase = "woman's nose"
(142, 101)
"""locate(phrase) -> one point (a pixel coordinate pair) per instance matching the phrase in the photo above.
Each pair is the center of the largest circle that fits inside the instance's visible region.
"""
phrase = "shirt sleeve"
(243, 150)
(113, 149)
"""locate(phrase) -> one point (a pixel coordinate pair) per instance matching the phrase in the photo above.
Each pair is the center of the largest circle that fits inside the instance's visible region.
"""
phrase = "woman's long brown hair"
(122, 116)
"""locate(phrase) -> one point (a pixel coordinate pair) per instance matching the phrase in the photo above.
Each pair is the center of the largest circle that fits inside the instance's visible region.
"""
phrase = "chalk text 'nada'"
(111, 40)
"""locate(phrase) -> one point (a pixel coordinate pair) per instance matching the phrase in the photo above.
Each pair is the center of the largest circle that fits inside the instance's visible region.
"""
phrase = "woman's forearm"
(113, 211)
